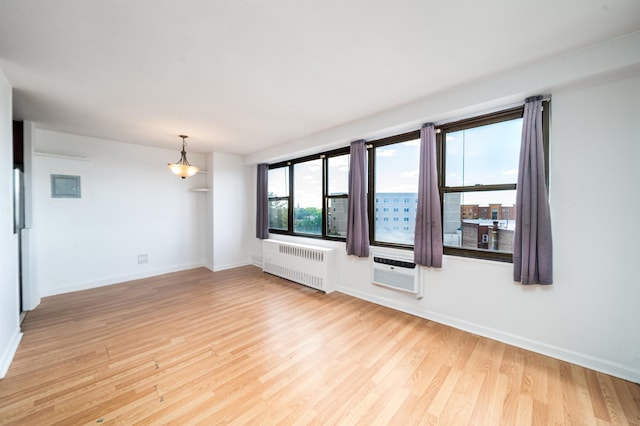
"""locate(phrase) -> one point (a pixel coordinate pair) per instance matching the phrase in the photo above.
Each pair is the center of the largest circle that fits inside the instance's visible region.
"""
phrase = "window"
(337, 198)
(309, 196)
(477, 162)
(395, 163)
(278, 188)
(478, 174)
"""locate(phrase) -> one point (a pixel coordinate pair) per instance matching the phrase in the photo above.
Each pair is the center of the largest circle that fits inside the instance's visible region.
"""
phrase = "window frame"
(470, 123)
(287, 198)
(325, 191)
(371, 190)
(290, 164)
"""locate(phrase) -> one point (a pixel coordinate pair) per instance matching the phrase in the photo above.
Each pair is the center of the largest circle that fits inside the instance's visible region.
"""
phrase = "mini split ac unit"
(396, 273)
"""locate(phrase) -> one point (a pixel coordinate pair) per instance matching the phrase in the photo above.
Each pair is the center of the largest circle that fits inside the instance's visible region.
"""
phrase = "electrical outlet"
(143, 258)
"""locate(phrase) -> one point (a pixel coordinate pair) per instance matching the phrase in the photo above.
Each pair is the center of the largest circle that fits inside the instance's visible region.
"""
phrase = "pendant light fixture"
(182, 168)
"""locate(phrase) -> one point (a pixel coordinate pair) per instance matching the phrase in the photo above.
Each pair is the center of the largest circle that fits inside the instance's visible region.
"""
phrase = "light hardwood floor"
(240, 346)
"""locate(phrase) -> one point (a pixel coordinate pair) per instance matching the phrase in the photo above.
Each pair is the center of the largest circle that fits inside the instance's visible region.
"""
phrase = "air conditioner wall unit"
(397, 273)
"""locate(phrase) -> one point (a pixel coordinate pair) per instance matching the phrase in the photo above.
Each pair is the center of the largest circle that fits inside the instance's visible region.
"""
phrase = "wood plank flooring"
(244, 347)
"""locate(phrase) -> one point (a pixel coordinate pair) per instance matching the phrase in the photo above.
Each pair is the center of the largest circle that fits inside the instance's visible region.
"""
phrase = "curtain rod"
(545, 98)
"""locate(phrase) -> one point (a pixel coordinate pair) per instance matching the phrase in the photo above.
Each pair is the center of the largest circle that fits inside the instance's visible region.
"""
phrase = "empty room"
(303, 212)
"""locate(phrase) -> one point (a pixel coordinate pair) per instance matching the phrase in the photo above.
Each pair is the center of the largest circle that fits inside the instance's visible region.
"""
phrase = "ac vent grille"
(394, 262)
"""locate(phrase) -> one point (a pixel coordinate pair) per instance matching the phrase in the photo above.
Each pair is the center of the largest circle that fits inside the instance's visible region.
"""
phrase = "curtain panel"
(357, 215)
(428, 233)
(262, 202)
(532, 248)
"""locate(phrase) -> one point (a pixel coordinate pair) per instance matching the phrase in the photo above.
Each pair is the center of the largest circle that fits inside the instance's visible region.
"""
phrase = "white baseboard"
(217, 268)
(587, 361)
(9, 352)
(117, 279)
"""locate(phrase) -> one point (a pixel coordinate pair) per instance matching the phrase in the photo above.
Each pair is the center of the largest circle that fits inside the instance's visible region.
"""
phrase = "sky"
(487, 155)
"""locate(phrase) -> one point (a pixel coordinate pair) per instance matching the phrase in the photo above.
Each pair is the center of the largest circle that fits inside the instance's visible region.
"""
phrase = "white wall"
(9, 297)
(589, 315)
(229, 211)
(131, 204)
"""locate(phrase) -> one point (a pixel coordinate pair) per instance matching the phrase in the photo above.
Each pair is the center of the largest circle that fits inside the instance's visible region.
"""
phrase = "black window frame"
(326, 196)
(287, 198)
(470, 123)
(290, 164)
(371, 146)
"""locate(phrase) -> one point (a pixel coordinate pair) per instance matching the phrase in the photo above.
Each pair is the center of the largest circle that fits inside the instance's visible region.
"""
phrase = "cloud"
(413, 174)
(510, 172)
(415, 142)
(385, 152)
(339, 161)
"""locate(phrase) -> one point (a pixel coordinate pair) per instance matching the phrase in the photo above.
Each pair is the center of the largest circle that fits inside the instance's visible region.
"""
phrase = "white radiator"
(396, 273)
(308, 265)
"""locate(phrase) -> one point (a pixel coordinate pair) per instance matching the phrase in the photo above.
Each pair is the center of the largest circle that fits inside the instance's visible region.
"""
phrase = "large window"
(309, 196)
(337, 197)
(278, 189)
(395, 162)
(477, 174)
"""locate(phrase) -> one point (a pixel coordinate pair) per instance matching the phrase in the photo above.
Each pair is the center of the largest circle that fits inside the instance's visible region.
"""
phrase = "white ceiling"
(239, 76)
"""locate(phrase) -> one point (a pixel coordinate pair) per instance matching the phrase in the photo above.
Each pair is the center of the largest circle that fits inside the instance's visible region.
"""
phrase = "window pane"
(278, 185)
(278, 214)
(480, 220)
(338, 171)
(337, 217)
(396, 198)
(307, 197)
(483, 155)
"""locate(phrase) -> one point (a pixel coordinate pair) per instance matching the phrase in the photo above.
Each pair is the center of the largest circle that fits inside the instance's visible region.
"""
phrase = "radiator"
(396, 273)
(308, 265)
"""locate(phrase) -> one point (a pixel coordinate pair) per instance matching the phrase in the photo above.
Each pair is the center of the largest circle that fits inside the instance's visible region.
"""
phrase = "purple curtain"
(532, 249)
(427, 249)
(357, 217)
(262, 202)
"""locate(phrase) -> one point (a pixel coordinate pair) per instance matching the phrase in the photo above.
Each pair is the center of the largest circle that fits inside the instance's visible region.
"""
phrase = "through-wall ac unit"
(396, 273)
